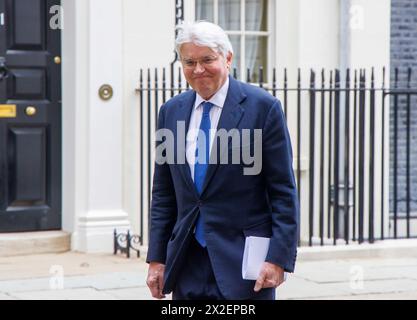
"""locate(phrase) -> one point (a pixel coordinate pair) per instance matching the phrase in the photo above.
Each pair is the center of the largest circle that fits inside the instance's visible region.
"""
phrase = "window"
(246, 23)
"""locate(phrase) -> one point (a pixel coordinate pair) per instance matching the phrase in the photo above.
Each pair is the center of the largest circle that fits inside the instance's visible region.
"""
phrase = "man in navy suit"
(203, 208)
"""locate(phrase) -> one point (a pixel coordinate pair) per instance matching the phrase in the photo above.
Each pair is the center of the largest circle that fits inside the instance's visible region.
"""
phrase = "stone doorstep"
(26, 243)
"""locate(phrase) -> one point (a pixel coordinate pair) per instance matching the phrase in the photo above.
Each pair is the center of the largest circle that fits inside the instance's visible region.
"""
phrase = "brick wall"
(404, 55)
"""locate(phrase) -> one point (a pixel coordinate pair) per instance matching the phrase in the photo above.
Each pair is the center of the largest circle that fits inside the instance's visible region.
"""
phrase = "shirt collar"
(218, 99)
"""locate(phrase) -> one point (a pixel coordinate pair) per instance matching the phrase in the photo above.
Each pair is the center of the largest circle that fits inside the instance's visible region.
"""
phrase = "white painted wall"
(309, 35)
(148, 42)
(92, 170)
(370, 47)
(74, 114)
(370, 33)
(306, 37)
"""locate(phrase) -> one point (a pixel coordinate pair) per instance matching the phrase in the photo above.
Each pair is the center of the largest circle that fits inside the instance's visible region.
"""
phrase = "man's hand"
(155, 280)
(271, 276)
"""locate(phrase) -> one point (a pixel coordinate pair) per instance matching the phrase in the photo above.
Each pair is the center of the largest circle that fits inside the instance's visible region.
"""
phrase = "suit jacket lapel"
(184, 114)
(230, 117)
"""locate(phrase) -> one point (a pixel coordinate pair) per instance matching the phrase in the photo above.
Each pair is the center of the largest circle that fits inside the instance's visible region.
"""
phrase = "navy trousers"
(196, 280)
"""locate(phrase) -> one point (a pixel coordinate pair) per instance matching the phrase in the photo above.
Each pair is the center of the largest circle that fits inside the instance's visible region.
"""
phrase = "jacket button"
(199, 203)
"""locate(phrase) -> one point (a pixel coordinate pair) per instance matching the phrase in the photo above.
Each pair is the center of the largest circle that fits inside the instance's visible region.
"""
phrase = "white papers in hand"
(256, 249)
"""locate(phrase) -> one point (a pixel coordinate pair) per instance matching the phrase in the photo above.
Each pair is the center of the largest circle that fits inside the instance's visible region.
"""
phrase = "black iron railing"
(124, 242)
(346, 149)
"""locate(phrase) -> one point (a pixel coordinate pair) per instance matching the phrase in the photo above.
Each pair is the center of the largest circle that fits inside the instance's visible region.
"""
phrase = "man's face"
(205, 70)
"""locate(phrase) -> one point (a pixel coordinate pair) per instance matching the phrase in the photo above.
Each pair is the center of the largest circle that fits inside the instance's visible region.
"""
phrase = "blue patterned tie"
(200, 169)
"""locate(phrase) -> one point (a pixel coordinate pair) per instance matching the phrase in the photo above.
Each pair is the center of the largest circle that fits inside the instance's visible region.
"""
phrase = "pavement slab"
(74, 275)
(4, 296)
(66, 294)
(138, 293)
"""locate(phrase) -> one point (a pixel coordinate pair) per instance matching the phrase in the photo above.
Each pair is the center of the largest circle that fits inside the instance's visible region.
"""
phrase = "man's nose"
(198, 68)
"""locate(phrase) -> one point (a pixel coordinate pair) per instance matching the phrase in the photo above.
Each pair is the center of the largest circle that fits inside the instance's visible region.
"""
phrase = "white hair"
(205, 34)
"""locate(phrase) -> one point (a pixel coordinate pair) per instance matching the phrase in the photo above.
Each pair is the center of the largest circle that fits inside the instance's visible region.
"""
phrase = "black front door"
(30, 116)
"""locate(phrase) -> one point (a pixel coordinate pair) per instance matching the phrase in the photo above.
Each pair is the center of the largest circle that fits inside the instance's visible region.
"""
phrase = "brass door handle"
(30, 111)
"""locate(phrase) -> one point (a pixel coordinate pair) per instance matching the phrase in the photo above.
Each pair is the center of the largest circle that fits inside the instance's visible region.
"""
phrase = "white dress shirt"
(197, 113)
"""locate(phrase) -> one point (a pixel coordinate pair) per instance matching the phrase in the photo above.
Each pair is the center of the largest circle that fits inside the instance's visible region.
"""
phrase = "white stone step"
(25, 243)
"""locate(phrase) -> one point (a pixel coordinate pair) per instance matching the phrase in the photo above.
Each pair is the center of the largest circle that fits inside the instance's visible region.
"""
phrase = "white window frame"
(189, 14)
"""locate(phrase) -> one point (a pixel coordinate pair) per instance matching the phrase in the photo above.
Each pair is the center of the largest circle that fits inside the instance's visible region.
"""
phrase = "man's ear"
(229, 59)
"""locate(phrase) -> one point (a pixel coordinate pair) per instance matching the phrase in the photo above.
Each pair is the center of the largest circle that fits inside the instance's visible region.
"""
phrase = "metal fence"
(345, 135)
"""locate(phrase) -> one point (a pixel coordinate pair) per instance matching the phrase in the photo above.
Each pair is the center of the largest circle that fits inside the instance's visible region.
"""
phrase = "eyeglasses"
(205, 62)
